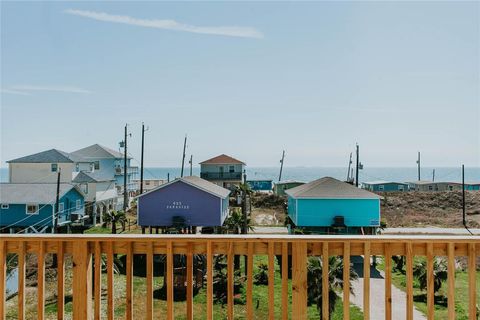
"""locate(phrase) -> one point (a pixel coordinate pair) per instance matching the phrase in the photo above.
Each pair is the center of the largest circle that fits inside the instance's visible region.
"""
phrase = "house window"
(32, 208)
(77, 167)
(450, 188)
(5, 206)
(147, 183)
(231, 169)
(380, 187)
(78, 204)
(96, 165)
(54, 167)
(400, 188)
(85, 188)
(61, 207)
(430, 188)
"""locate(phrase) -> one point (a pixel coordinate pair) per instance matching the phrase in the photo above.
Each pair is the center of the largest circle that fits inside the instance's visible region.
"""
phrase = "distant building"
(186, 202)
(385, 186)
(149, 184)
(100, 194)
(472, 186)
(109, 162)
(223, 170)
(280, 187)
(30, 207)
(329, 203)
(434, 186)
(43, 167)
(260, 185)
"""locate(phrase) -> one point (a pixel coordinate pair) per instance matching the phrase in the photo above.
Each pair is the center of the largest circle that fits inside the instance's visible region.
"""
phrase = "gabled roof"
(425, 182)
(222, 159)
(196, 182)
(83, 176)
(96, 151)
(330, 188)
(48, 156)
(38, 193)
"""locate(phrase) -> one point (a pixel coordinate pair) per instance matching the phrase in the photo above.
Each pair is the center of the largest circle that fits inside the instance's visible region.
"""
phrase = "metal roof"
(196, 182)
(382, 182)
(222, 159)
(96, 151)
(49, 156)
(288, 182)
(83, 176)
(330, 188)
(38, 193)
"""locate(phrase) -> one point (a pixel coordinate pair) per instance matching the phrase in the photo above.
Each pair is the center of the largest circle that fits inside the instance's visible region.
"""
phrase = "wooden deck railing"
(87, 251)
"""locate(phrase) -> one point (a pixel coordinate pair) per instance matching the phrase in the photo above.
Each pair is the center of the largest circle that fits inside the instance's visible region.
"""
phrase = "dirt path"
(377, 295)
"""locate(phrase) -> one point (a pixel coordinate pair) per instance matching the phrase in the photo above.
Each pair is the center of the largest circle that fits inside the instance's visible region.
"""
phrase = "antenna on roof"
(281, 166)
(191, 163)
(183, 157)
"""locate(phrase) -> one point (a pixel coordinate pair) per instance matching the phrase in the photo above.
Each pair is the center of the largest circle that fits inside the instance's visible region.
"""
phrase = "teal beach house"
(328, 204)
(385, 186)
(30, 207)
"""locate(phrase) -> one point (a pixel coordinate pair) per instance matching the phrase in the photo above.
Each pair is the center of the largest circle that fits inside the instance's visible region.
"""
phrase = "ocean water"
(450, 174)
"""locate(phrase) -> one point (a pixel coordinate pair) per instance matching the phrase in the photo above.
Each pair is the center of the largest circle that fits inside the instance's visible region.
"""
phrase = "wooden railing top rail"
(232, 237)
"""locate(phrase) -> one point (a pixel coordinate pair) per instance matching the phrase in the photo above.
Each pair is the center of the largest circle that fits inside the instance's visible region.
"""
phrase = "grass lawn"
(441, 311)
(260, 301)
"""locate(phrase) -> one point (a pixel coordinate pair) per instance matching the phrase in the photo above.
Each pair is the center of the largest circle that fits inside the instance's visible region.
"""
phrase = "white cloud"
(66, 89)
(10, 91)
(245, 32)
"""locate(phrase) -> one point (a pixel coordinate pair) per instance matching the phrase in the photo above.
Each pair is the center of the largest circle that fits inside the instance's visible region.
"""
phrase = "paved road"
(377, 295)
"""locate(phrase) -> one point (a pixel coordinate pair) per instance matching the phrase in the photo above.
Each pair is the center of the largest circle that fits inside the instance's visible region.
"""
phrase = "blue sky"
(247, 79)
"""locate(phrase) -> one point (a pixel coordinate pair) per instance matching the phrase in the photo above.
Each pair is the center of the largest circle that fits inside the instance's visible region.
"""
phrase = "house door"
(221, 172)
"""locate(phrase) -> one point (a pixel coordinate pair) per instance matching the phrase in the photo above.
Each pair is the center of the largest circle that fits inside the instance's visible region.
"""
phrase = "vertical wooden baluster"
(98, 280)
(22, 251)
(325, 282)
(409, 271)
(230, 281)
(284, 280)
(169, 280)
(41, 281)
(250, 280)
(472, 282)
(149, 280)
(430, 288)
(209, 281)
(110, 292)
(271, 280)
(299, 280)
(388, 282)
(366, 281)
(82, 280)
(451, 281)
(3, 276)
(129, 269)
(346, 280)
(190, 281)
(60, 280)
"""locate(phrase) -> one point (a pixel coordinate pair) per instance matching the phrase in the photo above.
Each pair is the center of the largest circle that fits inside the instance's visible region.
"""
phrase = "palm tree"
(440, 273)
(335, 277)
(113, 217)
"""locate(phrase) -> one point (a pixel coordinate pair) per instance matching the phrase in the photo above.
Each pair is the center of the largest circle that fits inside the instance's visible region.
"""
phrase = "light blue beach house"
(385, 186)
(30, 207)
(330, 205)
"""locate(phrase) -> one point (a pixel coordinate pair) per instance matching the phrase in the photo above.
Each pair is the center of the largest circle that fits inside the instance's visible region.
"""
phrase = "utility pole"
(183, 157)
(191, 164)
(357, 166)
(433, 175)
(349, 165)
(463, 197)
(141, 161)
(281, 166)
(57, 201)
(168, 176)
(125, 192)
(418, 164)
